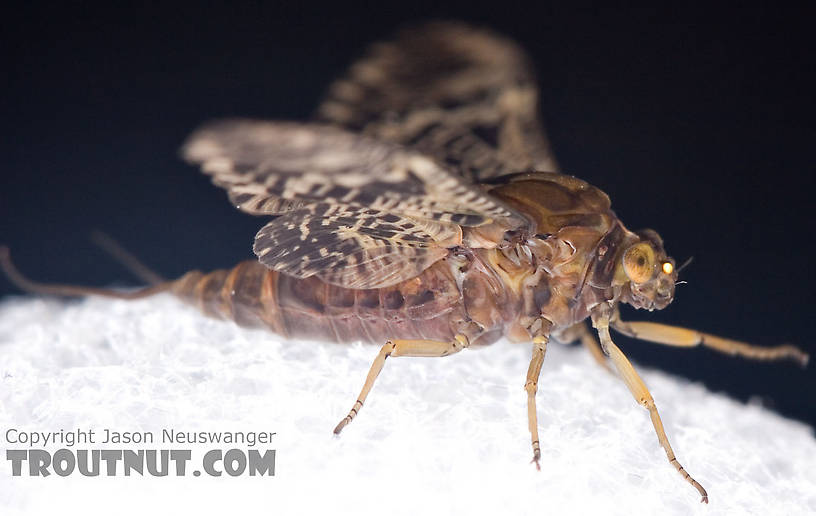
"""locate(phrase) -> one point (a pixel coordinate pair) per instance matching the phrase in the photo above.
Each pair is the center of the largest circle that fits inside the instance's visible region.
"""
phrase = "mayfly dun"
(423, 211)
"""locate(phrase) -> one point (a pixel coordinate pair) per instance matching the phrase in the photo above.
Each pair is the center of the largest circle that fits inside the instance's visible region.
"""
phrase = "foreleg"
(642, 396)
(687, 338)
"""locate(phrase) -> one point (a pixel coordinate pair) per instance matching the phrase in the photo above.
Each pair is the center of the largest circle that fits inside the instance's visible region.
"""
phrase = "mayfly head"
(649, 274)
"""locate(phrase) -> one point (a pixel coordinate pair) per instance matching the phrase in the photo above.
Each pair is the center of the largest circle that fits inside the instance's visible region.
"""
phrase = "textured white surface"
(438, 436)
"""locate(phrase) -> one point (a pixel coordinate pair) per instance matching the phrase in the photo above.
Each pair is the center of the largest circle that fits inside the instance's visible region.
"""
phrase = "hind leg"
(401, 348)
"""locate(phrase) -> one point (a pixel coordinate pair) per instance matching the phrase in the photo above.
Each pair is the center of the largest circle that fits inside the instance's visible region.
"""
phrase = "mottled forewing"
(355, 211)
(465, 96)
(274, 167)
(352, 247)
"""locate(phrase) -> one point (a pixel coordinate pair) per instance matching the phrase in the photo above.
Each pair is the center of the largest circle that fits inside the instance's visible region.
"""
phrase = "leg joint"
(647, 402)
(460, 342)
(531, 387)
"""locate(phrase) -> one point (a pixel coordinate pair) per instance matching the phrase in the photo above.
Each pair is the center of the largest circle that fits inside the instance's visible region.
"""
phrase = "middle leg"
(540, 340)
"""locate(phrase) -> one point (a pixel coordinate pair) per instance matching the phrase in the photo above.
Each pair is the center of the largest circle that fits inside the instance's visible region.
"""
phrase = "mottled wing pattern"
(355, 211)
(464, 96)
(274, 167)
(353, 247)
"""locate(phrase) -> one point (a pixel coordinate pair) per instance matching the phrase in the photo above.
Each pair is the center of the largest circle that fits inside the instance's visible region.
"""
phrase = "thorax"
(561, 271)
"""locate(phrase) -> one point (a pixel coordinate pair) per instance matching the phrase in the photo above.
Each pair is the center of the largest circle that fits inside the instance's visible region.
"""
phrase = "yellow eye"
(638, 262)
(668, 268)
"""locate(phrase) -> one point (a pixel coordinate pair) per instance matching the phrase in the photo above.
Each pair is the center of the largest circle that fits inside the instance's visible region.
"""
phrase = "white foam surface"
(437, 436)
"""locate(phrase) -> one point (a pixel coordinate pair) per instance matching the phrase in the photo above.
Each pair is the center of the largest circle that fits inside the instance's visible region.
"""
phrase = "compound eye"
(638, 262)
(668, 268)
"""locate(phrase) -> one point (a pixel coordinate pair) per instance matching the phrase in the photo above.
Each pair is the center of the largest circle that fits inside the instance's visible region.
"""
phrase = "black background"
(699, 124)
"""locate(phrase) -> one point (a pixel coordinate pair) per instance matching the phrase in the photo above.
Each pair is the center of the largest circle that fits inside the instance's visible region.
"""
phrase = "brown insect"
(424, 210)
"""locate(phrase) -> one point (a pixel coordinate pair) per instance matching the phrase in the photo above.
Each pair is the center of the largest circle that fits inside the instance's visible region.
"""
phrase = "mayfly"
(423, 211)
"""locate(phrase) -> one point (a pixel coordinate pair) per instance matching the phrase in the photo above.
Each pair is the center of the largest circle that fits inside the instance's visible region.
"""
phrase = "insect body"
(479, 293)
(424, 212)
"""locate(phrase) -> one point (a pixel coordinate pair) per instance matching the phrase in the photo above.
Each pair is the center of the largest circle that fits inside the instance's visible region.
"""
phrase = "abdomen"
(429, 306)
